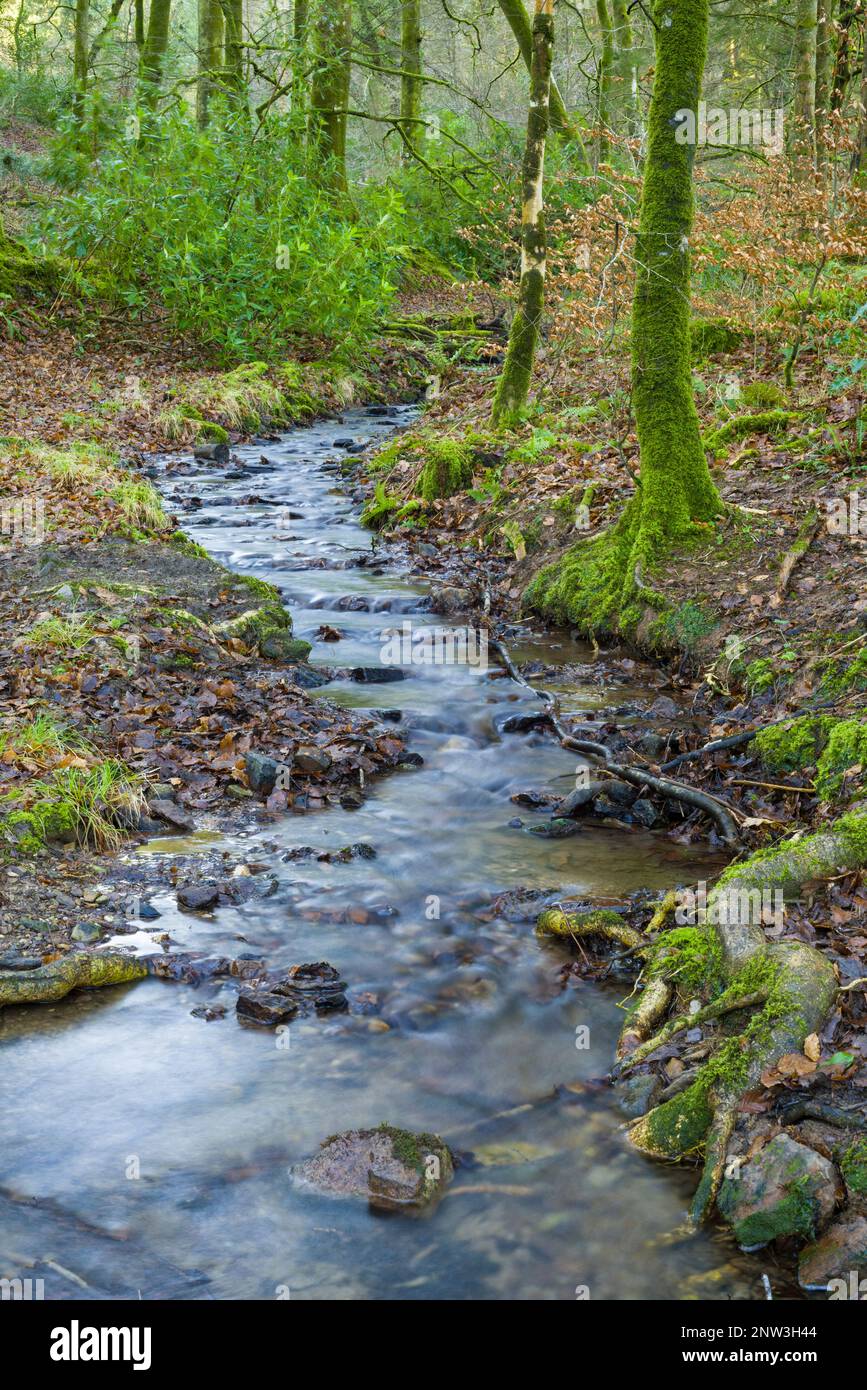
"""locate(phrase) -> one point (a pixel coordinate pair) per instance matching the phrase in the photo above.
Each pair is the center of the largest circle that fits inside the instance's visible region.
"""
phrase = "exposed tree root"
(79, 970)
(637, 777)
(795, 984)
(683, 1021)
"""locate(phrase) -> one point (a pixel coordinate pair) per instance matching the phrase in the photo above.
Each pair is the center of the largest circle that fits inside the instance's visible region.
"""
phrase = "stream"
(146, 1151)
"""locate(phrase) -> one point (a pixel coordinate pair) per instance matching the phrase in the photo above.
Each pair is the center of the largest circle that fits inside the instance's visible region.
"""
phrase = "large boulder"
(394, 1169)
(786, 1189)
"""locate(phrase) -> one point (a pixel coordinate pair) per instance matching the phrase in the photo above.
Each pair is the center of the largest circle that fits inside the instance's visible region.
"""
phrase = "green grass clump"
(71, 633)
(141, 505)
(83, 806)
(447, 469)
(379, 508)
(42, 740)
(763, 393)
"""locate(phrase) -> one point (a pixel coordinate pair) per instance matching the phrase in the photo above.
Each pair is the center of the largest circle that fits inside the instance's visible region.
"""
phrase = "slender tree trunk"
(329, 91)
(627, 64)
(514, 383)
(804, 142)
(824, 64)
(411, 73)
(210, 56)
(519, 24)
(859, 159)
(139, 26)
(603, 81)
(676, 488)
(80, 56)
(842, 72)
(154, 52)
(300, 31)
(233, 47)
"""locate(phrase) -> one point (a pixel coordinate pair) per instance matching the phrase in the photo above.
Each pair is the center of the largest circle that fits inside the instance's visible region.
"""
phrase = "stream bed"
(146, 1151)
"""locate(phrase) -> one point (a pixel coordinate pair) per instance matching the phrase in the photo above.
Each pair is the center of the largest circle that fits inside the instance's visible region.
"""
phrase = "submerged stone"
(394, 1169)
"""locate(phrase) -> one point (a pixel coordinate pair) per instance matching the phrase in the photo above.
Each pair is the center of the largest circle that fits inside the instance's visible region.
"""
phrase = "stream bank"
(459, 1020)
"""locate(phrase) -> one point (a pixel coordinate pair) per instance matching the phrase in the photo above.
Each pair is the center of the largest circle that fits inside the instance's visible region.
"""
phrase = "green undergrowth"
(834, 747)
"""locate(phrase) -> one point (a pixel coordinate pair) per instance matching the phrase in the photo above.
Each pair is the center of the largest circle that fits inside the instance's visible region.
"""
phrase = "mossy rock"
(448, 469)
(395, 1169)
(786, 1189)
(282, 646)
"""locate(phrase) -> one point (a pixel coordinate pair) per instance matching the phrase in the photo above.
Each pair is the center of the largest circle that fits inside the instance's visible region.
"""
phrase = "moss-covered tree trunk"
(604, 74)
(329, 92)
(519, 23)
(824, 70)
(233, 48)
(80, 57)
(804, 108)
(210, 56)
(676, 488)
(411, 74)
(514, 384)
(139, 26)
(300, 33)
(153, 53)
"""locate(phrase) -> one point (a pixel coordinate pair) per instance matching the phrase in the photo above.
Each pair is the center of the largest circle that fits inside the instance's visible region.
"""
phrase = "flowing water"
(146, 1151)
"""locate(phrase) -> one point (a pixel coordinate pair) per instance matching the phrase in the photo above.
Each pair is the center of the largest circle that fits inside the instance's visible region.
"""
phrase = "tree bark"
(210, 56)
(806, 27)
(300, 31)
(154, 51)
(604, 69)
(859, 159)
(329, 92)
(411, 74)
(233, 47)
(676, 488)
(80, 56)
(514, 383)
(519, 24)
(824, 66)
(627, 64)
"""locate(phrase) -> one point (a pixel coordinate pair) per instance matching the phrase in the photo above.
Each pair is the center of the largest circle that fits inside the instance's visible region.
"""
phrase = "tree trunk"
(329, 92)
(676, 488)
(154, 51)
(519, 24)
(603, 81)
(233, 46)
(139, 26)
(80, 57)
(627, 64)
(859, 159)
(824, 65)
(300, 29)
(411, 73)
(210, 56)
(804, 143)
(598, 584)
(514, 383)
(842, 73)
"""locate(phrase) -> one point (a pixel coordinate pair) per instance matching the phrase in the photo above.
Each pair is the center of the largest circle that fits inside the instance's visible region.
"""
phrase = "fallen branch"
(664, 786)
(798, 550)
